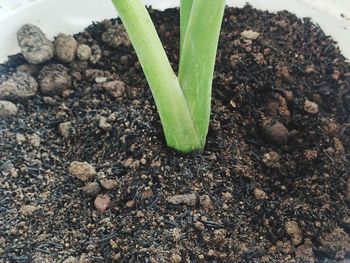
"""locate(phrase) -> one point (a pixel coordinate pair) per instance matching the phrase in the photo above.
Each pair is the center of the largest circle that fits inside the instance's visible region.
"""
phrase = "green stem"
(185, 12)
(171, 104)
(197, 60)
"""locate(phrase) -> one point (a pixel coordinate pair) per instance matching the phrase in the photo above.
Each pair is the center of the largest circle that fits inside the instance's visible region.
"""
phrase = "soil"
(87, 177)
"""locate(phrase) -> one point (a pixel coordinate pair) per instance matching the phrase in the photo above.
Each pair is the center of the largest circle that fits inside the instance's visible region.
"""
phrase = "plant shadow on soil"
(271, 185)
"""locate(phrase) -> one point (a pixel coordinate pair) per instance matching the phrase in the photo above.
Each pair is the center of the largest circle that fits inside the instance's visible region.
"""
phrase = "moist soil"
(272, 184)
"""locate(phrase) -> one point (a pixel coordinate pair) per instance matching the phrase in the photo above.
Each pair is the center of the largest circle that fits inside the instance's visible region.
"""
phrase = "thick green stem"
(174, 113)
(197, 60)
(185, 12)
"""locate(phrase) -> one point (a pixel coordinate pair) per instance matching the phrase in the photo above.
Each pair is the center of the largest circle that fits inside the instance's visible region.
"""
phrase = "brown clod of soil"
(336, 244)
(82, 170)
(294, 232)
(276, 133)
(188, 199)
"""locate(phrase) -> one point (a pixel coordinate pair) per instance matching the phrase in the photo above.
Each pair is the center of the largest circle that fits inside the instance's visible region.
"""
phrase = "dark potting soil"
(272, 184)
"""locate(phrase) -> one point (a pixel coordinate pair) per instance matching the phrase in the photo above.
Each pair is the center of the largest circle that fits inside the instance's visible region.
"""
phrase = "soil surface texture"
(86, 175)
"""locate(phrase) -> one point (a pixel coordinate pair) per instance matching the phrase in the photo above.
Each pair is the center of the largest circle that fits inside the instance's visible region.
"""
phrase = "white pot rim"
(70, 17)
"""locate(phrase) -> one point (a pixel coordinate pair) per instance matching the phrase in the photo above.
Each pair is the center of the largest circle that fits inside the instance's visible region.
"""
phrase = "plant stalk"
(172, 106)
(197, 60)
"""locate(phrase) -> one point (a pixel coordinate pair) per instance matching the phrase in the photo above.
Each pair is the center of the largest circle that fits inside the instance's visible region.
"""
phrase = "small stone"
(34, 140)
(250, 34)
(272, 159)
(310, 154)
(7, 109)
(54, 80)
(199, 225)
(99, 80)
(104, 125)
(276, 133)
(19, 86)
(294, 232)
(205, 202)
(130, 204)
(82, 170)
(102, 203)
(109, 184)
(35, 46)
(65, 48)
(64, 129)
(310, 107)
(188, 199)
(20, 138)
(115, 88)
(83, 52)
(304, 253)
(176, 258)
(115, 36)
(91, 189)
(331, 128)
(96, 54)
(336, 244)
(28, 69)
(259, 194)
(91, 74)
(227, 196)
(28, 210)
(336, 74)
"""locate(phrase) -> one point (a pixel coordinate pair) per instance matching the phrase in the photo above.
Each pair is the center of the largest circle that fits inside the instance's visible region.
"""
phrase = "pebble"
(109, 184)
(205, 202)
(19, 86)
(176, 258)
(28, 210)
(227, 196)
(339, 148)
(91, 189)
(34, 140)
(104, 125)
(65, 128)
(294, 232)
(188, 199)
(99, 80)
(271, 159)
(199, 225)
(115, 36)
(20, 138)
(102, 203)
(54, 79)
(65, 48)
(331, 128)
(82, 170)
(115, 88)
(7, 109)
(250, 34)
(276, 133)
(259, 194)
(83, 52)
(310, 107)
(336, 244)
(35, 46)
